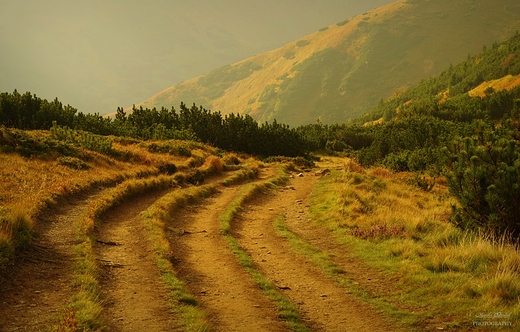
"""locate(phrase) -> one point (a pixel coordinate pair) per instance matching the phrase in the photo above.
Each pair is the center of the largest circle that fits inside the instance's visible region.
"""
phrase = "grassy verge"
(287, 311)
(37, 170)
(86, 303)
(325, 262)
(450, 279)
(184, 304)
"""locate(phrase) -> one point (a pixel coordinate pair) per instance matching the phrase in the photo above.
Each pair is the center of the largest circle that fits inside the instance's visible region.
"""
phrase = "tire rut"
(231, 299)
(37, 287)
(135, 299)
(324, 304)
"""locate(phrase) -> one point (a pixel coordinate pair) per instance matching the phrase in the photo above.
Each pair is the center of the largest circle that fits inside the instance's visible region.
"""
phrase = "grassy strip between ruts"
(324, 261)
(184, 304)
(191, 317)
(85, 306)
(287, 310)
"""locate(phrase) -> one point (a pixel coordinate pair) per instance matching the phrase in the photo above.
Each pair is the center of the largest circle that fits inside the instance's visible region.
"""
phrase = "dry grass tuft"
(379, 232)
(231, 159)
(69, 323)
(212, 164)
(16, 229)
(381, 172)
(352, 166)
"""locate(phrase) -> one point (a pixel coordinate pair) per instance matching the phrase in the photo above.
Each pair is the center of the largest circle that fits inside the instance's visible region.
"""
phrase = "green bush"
(484, 176)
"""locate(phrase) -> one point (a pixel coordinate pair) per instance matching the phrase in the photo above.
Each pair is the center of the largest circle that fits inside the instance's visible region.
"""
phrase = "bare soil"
(36, 288)
(230, 297)
(324, 304)
(135, 299)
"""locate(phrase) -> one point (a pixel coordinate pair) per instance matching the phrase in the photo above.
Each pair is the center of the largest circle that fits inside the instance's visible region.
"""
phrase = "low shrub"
(231, 159)
(73, 162)
(212, 165)
(168, 168)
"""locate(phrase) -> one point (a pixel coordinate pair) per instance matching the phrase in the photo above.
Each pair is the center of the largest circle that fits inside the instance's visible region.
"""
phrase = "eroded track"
(325, 305)
(135, 298)
(37, 287)
(231, 299)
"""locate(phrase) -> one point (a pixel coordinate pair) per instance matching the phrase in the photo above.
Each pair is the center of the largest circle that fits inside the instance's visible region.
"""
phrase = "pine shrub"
(484, 176)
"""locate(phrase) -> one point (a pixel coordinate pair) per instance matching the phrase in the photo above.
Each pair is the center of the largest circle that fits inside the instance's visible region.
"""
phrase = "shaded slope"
(484, 85)
(342, 71)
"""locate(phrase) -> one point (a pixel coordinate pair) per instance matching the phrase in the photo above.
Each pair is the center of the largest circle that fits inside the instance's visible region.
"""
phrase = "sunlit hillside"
(343, 70)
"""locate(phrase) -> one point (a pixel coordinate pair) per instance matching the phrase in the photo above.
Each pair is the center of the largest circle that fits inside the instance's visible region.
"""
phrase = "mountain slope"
(485, 86)
(342, 71)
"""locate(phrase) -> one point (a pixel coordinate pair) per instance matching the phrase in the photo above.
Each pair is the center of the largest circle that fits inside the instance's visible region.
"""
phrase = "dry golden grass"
(30, 185)
(406, 232)
(230, 159)
(212, 164)
(352, 166)
(505, 83)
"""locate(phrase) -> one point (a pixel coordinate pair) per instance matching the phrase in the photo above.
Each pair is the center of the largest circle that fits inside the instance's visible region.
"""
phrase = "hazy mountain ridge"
(484, 86)
(343, 70)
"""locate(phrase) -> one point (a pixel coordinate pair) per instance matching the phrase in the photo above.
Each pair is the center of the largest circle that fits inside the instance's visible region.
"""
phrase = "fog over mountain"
(341, 71)
(98, 55)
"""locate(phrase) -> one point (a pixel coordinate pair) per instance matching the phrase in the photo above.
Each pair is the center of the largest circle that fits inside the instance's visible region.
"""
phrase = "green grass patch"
(287, 311)
(312, 253)
(441, 271)
(182, 302)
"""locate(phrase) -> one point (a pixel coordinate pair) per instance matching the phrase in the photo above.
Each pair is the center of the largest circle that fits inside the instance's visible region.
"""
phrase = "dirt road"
(35, 290)
(229, 296)
(135, 299)
(324, 304)
(39, 285)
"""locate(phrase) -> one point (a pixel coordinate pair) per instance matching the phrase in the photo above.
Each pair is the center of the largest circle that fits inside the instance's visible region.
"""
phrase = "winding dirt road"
(324, 304)
(36, 289)
(231, 299)
(135, 298)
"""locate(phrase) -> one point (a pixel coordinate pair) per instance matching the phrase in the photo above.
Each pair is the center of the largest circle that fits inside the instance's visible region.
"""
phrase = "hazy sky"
(97, 55)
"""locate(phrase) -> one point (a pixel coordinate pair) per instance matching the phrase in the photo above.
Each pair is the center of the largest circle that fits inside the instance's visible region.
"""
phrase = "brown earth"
(231, 299)
(37, 287)
(134, 297)
(324, 304)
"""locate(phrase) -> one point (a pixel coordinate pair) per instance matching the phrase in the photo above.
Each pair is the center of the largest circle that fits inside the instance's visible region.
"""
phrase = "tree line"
(232, 132)
(434, 127)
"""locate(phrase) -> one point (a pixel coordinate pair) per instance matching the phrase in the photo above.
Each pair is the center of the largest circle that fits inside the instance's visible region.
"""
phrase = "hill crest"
(343, 70)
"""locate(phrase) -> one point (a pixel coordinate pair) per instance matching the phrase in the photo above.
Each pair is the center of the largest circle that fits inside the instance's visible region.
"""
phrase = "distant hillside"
(485, 86)
(343, 70)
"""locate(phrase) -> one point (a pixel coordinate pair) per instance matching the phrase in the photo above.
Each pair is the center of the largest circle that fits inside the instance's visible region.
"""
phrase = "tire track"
(323, 304)
(231, 299)
(33, 303)
(135, 298)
